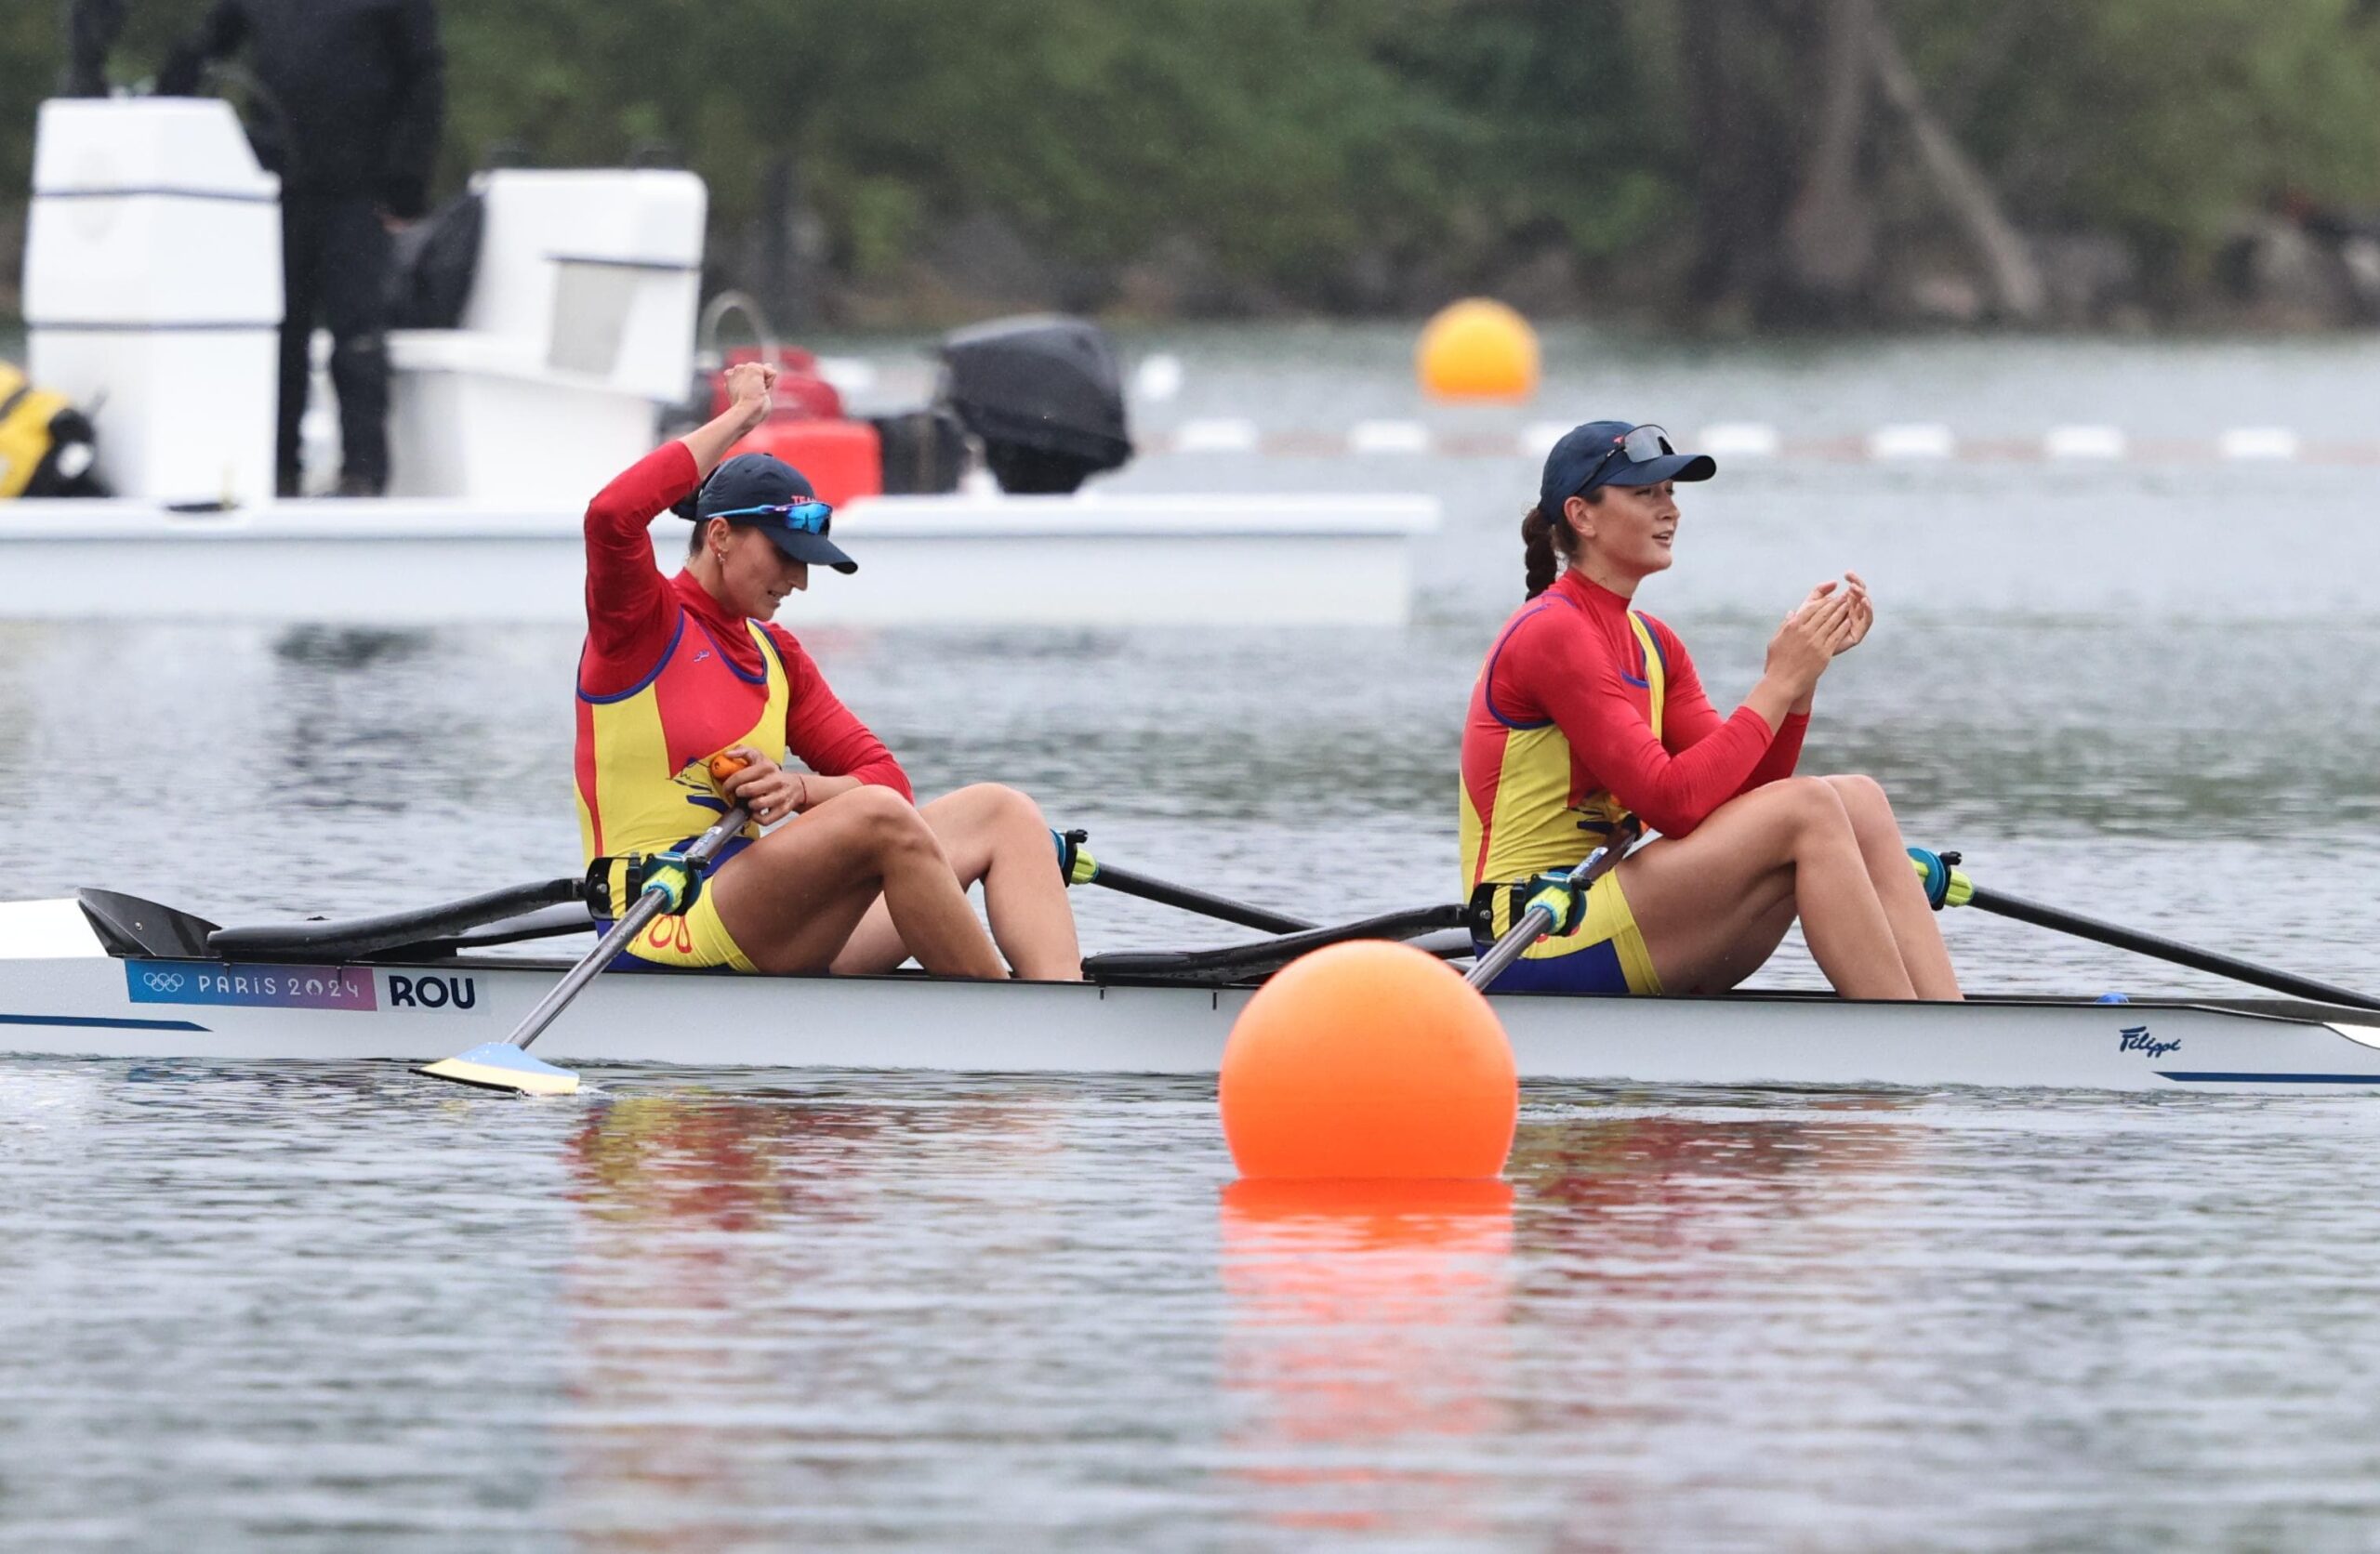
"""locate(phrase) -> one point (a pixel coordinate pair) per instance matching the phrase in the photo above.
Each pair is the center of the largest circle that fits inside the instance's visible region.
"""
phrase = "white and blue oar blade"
(500, 1065)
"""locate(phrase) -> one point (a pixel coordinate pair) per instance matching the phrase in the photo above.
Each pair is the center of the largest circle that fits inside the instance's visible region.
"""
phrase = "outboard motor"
(1045, 395)
(433, 263)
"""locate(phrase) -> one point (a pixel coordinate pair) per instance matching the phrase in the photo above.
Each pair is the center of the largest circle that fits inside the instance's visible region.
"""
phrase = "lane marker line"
(1914, 439)
(1389, 437)
(2085, 442)
(2244, 442)
(1738, 439)
(1215, 437)
(1539, 436)
(1909, 443)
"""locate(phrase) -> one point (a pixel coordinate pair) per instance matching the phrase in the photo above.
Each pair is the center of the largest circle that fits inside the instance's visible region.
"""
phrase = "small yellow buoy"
(1366, 1060)
(1477, 350)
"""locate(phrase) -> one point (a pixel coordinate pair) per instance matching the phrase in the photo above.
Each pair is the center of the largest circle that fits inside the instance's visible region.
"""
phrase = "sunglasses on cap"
(1640, 444)
(808, 518)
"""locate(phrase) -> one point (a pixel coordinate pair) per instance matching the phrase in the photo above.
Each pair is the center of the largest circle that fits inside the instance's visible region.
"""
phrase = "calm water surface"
(341, 1309)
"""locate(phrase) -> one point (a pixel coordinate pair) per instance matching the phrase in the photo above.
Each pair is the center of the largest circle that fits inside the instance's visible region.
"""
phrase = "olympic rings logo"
(163, 981)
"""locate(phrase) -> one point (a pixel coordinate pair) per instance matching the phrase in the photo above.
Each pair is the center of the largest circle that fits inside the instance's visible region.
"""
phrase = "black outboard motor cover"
(1045, 395)
(433, 263)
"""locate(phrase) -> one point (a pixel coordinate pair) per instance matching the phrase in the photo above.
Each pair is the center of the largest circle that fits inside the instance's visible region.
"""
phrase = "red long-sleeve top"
(1562, 715)
(633, 617)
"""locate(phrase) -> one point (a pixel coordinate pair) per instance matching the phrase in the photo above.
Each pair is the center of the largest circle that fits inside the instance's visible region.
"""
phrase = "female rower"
(1587, 712)
(678, 670)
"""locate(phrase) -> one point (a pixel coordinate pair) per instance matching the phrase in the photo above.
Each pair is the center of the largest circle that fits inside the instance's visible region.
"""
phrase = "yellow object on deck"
(1478, 349)
(26, 437)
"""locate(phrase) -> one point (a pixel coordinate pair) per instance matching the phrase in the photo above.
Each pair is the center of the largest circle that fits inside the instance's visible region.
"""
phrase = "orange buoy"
(1368, 1059)
(1477, 350)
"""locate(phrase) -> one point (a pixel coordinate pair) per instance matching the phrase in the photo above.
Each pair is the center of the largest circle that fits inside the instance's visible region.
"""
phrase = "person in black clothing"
(350, 95)
(92, 27)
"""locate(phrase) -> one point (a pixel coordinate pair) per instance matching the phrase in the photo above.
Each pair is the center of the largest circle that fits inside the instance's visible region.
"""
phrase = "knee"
(368, 350)
(1861, 794)
(1003, 807)
(1812, 806)
(1871, 811)
(884, 822)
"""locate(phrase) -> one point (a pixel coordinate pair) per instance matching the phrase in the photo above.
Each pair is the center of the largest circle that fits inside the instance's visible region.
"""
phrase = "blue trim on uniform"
(1593, 969)
(675, 632)
(2211, 1076)
(1653, 632)
(769, 650)
(77, 1021)
(1650, 636)
(760, 678)
(1488, 685)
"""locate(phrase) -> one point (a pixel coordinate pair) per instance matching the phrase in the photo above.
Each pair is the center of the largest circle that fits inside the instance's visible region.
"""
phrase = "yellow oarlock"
(1960, 889)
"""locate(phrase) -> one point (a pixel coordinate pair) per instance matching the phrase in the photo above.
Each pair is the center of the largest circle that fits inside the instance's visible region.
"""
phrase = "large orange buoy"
(1477, 350)
(1368, 1059)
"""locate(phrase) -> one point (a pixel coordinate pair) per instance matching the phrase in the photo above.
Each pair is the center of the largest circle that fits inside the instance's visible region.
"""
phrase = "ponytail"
(1537, 547)
(1548, 544)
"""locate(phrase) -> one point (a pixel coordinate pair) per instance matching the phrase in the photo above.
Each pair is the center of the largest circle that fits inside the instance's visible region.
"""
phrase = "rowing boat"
(111, 977)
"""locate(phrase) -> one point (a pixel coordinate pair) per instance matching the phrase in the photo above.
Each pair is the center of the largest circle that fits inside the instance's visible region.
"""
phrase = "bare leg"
(791, 899)
(1917, 929)
(1704, 901)
(994, 835)
(1748, 955)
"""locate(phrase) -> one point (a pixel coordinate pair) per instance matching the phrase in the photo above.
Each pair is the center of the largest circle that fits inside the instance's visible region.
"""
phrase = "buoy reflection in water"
(1364, 1350)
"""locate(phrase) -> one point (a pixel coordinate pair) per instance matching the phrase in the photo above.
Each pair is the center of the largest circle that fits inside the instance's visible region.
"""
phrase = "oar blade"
(500, 1065)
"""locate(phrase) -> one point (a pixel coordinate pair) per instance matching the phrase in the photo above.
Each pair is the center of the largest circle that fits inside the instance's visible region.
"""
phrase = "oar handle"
(1538, 918)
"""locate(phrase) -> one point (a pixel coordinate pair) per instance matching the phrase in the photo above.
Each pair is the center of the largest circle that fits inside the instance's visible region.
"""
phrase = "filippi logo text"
(2135, 1038)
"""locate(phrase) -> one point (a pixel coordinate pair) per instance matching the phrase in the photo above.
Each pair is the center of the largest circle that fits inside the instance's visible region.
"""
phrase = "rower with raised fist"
(1588, 711)
(851, 876)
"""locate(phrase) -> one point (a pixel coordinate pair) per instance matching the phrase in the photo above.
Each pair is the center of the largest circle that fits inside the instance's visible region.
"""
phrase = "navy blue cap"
(762, 480)
(1590, 455)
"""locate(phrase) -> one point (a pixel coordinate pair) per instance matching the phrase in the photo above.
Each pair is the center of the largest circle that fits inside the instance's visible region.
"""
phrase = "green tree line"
(1754, 157)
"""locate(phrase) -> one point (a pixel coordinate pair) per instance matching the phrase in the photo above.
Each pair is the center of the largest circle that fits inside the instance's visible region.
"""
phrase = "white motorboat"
(153, 298)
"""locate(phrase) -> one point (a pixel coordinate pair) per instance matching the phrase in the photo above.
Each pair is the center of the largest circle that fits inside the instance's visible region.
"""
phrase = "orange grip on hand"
(726, 764)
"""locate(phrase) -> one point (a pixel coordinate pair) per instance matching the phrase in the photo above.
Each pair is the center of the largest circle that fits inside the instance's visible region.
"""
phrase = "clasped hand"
(1834, 620)
(767, 791)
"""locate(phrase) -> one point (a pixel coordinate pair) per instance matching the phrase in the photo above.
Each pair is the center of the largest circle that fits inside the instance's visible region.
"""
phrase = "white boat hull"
(1091, 561)
(61, 994)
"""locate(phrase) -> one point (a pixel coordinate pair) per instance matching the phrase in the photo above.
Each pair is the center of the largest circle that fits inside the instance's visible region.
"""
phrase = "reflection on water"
(253, 1308)
(1367, 1345)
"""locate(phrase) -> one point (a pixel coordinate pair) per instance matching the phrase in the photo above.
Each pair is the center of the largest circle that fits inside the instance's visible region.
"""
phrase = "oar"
(506, 1065)
(1957, 889)
(1080, 869)
(1543, 908)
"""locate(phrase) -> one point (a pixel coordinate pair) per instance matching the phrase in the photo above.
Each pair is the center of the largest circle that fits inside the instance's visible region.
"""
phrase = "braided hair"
(1548, 545)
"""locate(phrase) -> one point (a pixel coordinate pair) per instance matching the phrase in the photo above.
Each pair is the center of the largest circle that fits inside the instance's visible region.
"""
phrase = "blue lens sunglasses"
(811, 518)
